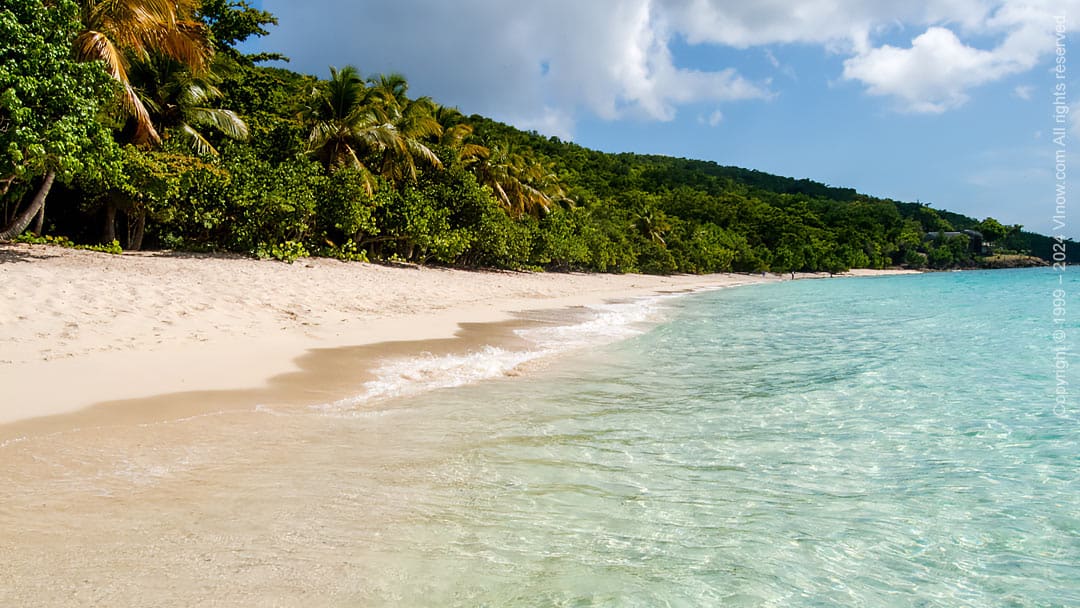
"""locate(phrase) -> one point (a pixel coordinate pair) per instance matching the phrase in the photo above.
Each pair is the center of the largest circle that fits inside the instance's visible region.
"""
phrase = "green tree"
(180, 105)
(345, 210)
(232, 22)
(272, 206)
(49, 105)
(992, 230)
(183, 196)
(930, 220)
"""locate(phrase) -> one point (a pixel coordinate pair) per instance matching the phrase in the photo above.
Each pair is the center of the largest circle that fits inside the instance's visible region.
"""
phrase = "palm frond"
(145, 133)
(187, 42)
(454, 135)
(424, 153)
(196, 141)
(474, 151)
(321, 133)
(343, 92)
(347, 157)
(193, 93)
(96, 46)
(226, 121)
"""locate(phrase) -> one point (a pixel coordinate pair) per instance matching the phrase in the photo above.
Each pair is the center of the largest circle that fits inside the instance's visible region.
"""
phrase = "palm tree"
(376, 129)
(408, 123)
(651, 224)
(410, 126)
(388, 91)
(521, 185)
(179, 102)
(455, 138)
(343, 123)
(114, 31)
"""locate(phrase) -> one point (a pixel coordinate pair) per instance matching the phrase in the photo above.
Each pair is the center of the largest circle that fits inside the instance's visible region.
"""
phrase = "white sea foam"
(608, 323)
(407, 376)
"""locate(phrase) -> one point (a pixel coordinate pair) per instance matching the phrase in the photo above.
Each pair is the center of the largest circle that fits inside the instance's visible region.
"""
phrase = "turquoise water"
(861, 442)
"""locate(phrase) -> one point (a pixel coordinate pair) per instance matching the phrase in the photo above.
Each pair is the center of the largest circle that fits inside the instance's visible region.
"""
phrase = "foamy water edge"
(414, 375)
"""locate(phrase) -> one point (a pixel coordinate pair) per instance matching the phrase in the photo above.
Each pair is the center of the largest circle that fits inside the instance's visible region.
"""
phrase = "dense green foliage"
(49, 104)
(273, 163)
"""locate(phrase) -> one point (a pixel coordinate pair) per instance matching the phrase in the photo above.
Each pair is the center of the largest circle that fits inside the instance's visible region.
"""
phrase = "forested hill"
(664, 171)
(607, 174)
(194, 146)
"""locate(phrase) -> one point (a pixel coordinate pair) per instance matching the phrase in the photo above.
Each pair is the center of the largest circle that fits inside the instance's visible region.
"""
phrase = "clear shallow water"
(879, 442)
(865, 443)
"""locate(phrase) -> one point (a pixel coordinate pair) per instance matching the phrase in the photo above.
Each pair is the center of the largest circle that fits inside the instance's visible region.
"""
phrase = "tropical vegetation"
(144, 126)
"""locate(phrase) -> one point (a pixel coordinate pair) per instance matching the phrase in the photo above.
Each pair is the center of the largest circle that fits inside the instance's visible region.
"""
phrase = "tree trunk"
(108, 234)
(23, 220)
(136, 232)
(39, 223)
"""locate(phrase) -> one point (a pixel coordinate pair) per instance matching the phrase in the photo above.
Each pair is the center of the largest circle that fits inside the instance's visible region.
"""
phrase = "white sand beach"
(79, 328)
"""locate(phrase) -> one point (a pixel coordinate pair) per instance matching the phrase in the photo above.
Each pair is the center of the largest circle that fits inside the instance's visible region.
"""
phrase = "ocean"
(892, 441)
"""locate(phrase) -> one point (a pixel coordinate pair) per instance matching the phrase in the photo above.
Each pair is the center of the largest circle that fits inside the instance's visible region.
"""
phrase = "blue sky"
(944, 101)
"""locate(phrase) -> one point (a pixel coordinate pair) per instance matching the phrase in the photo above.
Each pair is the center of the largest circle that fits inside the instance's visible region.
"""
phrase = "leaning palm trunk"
(21, 221)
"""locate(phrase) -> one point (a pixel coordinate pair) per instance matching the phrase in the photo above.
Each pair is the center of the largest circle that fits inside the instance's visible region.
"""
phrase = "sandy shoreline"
(80, 328)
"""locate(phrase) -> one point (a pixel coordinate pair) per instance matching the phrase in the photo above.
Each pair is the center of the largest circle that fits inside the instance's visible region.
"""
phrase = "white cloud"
(844, 25)
(1023, 91)
(544, 64)
(933, 75)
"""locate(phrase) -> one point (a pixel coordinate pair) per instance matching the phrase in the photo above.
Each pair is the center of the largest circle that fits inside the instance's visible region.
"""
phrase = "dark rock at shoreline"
(1012, 261)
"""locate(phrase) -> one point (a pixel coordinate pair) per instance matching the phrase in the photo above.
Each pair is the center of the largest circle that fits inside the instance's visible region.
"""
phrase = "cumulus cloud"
(543, 64)
(933, 75)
